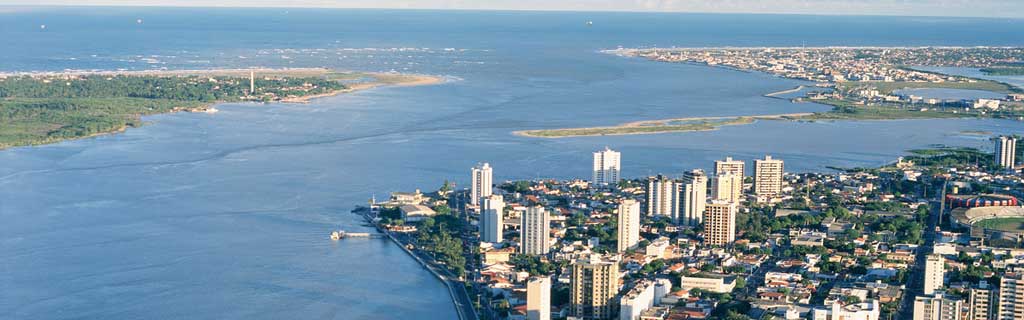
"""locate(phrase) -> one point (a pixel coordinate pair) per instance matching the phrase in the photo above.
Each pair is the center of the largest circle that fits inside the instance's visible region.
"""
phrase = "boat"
(337, 235)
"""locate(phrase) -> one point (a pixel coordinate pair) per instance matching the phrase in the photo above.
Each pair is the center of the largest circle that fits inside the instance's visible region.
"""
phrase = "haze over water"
(226, 215)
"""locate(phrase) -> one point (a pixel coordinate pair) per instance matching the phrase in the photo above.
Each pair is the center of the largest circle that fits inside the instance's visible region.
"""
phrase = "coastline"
(369, 80)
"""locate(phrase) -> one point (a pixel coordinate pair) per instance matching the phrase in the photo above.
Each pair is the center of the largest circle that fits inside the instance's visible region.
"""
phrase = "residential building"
(768, 177)
(662, 196)
(720, 223)
(644, 295)
(606, 167)
(693, 196)
(838, 310)
(717, 283)
(729, 166)
(535, 230)
(492, 219)
(594, 285)
(538, 298)
(981, 303)
(629, 224)
(727, 187)
(937, 306)
(1011, 297)
(481, 186)
(1005, 151)
(934, 272)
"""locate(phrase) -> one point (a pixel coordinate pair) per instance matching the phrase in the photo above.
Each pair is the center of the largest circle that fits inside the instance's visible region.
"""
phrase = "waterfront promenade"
(456, 287)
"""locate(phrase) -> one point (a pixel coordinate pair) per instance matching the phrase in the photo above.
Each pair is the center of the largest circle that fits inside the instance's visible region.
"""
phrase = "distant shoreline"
(351, 81)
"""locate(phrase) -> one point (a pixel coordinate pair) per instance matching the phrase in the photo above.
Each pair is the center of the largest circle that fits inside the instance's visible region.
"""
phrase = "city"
(935, 235)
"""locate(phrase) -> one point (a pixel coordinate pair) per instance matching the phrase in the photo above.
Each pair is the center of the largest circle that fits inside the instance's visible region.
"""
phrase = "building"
(644, 295)
(481, 187)
(1011, 297)
(693, 196)
(720, 223)
(708, 282)
(492, 219)
(729, 166)
(981, 303)
(535, 230)
(868, 310)
(629, 224)
(937, 306)
(1005, 151)
(934, 272)
(727, 187)
(606, 167)
(416, 212)
(768, 177)
(662, 196)
(538, 298)
(594, 285)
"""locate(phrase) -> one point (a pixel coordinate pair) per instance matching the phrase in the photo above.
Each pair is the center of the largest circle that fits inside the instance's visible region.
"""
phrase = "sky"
(965, 8)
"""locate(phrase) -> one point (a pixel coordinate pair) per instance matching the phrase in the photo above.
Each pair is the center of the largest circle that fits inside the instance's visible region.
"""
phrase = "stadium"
(998, 219)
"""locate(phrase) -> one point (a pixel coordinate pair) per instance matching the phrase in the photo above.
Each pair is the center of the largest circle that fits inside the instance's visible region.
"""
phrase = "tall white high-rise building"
(729, 166)
(692, 197)
(1006, 151)
(662, 197)
(538, 298)
(1011, 297)
(492, 219)
(606, 167)
(768, 177)
(981, 304)
(727, 187)
(629, 224)
(534, 231)
(482, 184)
(937, 306)
(720, 223)
(934, 271)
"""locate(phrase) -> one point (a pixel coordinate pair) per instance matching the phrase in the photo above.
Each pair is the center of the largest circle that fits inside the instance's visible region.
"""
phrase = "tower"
(720, 223)
(534, 231)
(481, 186)
(606, 167)
(492, 219)
(662, 197)
(629, 224)
(594, 284)
(768, 177)
(692, 197)
(1005, 151)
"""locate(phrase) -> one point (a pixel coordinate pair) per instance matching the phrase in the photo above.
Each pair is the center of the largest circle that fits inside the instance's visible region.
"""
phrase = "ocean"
(227, 215)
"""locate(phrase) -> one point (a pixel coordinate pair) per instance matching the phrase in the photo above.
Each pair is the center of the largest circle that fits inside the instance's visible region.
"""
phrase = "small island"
(42, 108)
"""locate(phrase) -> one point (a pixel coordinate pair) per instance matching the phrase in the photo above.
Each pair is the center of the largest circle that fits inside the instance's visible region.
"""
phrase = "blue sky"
(972, 8)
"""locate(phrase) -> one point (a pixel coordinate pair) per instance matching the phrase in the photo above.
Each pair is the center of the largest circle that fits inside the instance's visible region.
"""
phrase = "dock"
(342, 234)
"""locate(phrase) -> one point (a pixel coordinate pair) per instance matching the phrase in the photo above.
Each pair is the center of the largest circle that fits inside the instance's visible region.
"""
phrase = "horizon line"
(780, 13)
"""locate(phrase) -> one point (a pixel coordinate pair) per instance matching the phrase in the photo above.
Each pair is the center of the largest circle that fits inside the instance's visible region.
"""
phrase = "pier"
(342, 234)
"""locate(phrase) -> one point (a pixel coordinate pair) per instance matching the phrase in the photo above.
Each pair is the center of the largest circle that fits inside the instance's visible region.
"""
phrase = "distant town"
(935, 235)
(872, 76)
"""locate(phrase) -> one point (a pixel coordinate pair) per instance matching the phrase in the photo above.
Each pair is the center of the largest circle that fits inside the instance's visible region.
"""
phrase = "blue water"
(225, 216)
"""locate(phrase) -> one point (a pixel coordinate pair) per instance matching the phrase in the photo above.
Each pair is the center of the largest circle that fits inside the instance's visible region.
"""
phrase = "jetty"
(342, 234)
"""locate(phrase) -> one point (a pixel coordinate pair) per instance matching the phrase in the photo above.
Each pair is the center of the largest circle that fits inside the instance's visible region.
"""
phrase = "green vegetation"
(845, 110)
(37, 110)
(440, 237)
(1005, 224)
(888, 87)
